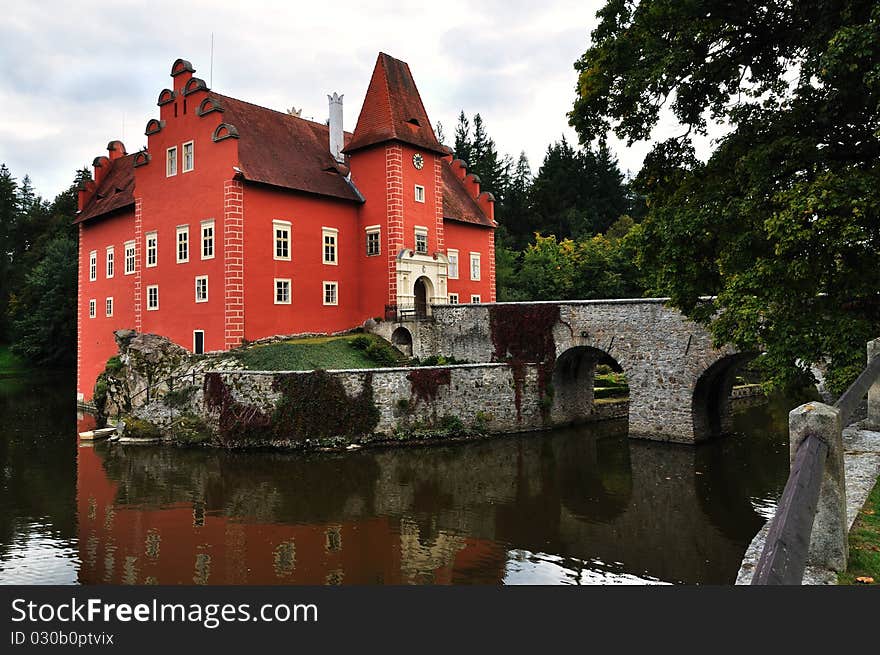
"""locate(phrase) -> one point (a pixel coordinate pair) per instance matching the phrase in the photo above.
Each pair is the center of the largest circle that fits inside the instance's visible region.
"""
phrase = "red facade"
(238, 222)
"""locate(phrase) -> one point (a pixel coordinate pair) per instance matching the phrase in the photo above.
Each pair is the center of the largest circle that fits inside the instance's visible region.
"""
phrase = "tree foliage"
(38, 261)
(578, 192)
(600, 266)
(782, 223)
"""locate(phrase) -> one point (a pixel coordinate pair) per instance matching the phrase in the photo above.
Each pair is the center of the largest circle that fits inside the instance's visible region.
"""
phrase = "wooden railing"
(407, 313)
(810, 525)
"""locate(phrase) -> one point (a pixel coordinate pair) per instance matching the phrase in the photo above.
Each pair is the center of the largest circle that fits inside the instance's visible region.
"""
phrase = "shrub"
(140, 429)
(481, 421)
(361, 342)
(191, 430)
(114, 365)
(381, 353)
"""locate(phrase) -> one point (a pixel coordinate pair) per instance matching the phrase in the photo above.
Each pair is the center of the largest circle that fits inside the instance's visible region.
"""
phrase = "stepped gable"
(393, 110)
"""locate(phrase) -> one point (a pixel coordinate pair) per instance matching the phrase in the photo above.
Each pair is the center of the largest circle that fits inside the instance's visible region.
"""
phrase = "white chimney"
(336, 139)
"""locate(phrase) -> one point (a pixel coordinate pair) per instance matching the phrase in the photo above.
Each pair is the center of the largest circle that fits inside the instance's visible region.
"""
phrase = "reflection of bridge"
(679, 383)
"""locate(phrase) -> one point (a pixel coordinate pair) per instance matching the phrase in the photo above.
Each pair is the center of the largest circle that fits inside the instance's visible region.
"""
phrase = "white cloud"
(74, 76)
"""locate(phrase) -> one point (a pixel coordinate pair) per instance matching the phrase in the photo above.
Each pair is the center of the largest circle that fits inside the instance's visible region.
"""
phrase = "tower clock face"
(418, 161)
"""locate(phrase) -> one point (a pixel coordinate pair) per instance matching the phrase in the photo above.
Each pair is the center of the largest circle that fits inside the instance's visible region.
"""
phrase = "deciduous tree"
(782, 223)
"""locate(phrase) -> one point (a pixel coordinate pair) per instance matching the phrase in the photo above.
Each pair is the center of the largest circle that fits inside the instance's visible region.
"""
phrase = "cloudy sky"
(75, 75)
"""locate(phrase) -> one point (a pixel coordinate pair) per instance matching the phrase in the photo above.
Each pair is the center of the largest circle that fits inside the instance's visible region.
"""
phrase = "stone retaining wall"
(483, 397)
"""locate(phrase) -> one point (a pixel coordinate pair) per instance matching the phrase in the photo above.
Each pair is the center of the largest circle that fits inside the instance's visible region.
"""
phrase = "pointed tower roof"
(393, 110)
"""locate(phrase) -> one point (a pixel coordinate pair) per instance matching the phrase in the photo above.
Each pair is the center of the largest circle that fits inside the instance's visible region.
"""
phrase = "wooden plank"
(788, 541)
(852, 397)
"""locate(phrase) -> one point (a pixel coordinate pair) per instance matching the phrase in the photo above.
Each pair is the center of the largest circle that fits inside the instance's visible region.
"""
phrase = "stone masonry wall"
(482, 393)
(671, 365)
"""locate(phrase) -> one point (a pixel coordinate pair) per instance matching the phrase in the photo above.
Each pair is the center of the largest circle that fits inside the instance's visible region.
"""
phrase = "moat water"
(576, 506)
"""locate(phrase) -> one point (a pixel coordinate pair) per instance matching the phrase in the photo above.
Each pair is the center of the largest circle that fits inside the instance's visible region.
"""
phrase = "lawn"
(312, 353)
(864, 544)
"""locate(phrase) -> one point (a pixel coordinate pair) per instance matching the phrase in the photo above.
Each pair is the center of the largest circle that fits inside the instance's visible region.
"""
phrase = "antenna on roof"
(211, 74)
(123, 127)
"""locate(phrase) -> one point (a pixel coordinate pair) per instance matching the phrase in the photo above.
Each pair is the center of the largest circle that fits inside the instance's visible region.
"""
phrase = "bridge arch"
(710, 403)
(573, 380)
(402, 339)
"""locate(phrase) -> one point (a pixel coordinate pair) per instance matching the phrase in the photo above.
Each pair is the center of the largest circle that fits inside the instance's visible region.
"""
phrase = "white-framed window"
(110, 261)
(152, 239)
(202, 288)
(171, 161)
(282, 291)
(453, 298)
(475, 266)
(374, 240)
(129, 257)
(208, 239)
(93, 265)
(331, 293)
(452, 269)
(153, 297)
(475, 300)
(421, 240)
(420, 193)
(281, 236)
(330, 237)
(93, 308)
(108, 307)
(182, 244)
(198, 342)
(188, 156)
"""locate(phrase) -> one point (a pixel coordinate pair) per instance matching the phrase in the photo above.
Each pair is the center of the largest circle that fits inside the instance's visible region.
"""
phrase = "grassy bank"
(340, 352)
(864, 543)
(610, 385)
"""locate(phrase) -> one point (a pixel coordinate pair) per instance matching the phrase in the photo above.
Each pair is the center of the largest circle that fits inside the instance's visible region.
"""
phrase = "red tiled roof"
(115, 191)
(283, 150)
(294, 153)
(393, 110)
(458, 205)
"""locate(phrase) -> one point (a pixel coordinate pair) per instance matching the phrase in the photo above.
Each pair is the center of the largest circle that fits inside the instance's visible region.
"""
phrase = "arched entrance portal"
(423, 291)
(401, 338)
(575, 383)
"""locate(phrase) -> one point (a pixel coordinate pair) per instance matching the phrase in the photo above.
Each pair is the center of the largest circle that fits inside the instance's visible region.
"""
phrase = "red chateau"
(238, 222)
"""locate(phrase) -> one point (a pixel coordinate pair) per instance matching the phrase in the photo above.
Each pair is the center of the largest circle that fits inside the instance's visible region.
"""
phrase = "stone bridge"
(679, 383)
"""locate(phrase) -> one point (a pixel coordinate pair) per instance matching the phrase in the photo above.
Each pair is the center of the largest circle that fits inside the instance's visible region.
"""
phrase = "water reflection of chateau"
(130, 536)
(423, 515)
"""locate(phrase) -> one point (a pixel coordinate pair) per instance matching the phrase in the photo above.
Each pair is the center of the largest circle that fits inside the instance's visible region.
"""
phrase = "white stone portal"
(421, 280)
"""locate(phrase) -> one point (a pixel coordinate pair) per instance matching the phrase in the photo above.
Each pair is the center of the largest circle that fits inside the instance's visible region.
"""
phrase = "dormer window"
(171, 162)
(188, 157)
(414, 121)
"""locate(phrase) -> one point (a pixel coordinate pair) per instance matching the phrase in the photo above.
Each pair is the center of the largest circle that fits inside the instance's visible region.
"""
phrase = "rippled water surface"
(576, 506)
